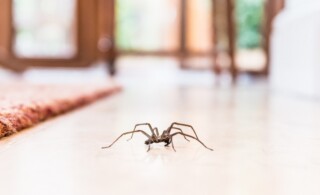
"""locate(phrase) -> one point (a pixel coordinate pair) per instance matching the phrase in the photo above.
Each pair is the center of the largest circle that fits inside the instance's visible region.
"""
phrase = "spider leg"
(157, 132)
(173, 145)
(167, 144)
(135, 131)
(181, 132)
(195, 138)
(148, 148)
(141, 124)
(186, 125)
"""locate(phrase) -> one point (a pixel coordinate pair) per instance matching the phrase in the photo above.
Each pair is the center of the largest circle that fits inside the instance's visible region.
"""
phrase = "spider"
(165, 137)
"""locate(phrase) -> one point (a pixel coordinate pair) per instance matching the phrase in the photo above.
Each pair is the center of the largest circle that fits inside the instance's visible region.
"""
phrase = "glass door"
(144, 26)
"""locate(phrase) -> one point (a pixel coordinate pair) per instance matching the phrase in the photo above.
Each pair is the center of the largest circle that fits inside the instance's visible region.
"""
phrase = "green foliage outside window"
(249, 15)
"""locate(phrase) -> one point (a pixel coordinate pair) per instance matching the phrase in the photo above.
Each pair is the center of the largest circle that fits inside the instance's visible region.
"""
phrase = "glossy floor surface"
(264, 143)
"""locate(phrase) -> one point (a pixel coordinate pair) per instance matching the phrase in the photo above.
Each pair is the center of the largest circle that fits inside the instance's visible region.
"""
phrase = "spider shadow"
(167, 155)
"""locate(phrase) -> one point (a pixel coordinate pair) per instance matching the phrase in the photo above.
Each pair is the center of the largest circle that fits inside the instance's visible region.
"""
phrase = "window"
(50, 32)
(44, 28)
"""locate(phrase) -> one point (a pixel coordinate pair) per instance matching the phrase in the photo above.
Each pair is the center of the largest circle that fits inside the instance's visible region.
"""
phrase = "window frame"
(86, 39)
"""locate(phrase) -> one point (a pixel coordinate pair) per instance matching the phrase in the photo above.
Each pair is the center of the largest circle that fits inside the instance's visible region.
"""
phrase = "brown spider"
(165, 137)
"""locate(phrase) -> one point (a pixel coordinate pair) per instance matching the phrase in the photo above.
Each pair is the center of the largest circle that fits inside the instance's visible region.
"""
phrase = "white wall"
(295, 49)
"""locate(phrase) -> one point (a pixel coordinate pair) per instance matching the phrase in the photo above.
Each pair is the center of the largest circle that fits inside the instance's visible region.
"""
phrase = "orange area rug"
(24, 105)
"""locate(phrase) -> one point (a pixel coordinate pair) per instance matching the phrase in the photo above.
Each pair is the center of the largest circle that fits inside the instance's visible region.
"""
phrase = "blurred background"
(244, 73)
(218, 40)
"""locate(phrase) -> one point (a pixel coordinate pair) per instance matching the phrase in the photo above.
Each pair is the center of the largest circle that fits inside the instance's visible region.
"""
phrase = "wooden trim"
(216, 66)
(183, 26)
(272, 8)
(106, 15)
(252, 72)
(231, 37)
(183, 32)
(164, 53)
(111, 23)
(5, 25)
(11, 29)
(266, 32)
(106, 26)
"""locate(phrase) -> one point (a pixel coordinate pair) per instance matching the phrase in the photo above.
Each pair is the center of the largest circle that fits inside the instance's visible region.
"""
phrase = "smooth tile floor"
(264, 143)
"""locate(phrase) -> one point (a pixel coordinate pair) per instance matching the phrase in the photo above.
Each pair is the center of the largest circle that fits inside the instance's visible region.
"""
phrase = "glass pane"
(250, 54)
(147, 25)
(44, 28)
(199, 25)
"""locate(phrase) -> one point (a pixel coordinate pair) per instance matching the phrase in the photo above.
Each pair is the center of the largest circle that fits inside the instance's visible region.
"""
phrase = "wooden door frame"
(272, 8)
(106, 33)
(231, 38)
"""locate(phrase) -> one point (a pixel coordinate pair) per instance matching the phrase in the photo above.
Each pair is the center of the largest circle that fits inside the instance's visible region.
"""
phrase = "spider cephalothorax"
(165, 137)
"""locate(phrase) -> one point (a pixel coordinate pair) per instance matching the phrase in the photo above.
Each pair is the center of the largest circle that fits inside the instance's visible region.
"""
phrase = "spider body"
(165, 137)
(149, 141)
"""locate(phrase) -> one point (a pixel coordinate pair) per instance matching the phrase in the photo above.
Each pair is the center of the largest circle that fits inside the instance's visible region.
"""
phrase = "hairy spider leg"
(147, 124)
(169, 142)
(135, 131)
(157, 131)
(190, 137)
(172, 145)
(181, 132)
(182, 124)
(148, 148)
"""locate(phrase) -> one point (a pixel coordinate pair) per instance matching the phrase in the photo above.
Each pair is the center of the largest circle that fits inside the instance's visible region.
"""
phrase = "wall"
(295, 49)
